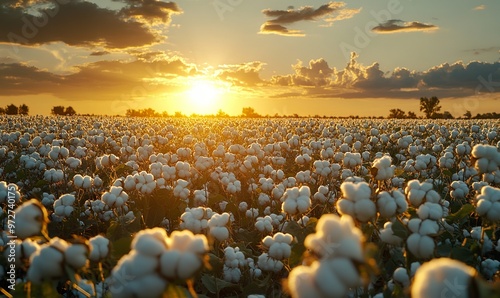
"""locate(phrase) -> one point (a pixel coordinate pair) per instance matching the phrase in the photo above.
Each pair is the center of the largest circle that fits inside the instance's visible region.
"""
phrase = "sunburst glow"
(204, 95)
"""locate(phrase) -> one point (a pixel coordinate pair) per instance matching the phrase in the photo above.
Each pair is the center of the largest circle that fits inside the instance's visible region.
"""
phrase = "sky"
(278, 57)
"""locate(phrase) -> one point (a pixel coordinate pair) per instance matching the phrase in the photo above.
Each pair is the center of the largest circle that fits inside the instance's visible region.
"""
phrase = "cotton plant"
(63, 206)
(323, 195)
(488, 203)
(218, 226)
(48, 262)
(196, 219)
(296, 200)
(31, 219)
(485, 158)
(337, 247)
(421, 242)
(155, 259)
(9, 191)
(389, 204)
(180, 189)
(53, 175)
(459, 190)
(84, 182)
(382, 168)
(420, 192)
(234, 261)
(278, 246)
(116, 197)
(356, 201)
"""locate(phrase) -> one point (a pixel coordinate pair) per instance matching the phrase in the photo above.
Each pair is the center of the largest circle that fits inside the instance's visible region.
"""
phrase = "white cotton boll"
(384, 169)
(421, 246)
(187, 241)
(99, 248)
(78, 180)
(243, 206)
(459, 190)
(231, 274)
(266, 263)
(301, 281)
(488, 203)
(489, 267)
(346, 271)
(400, 275)
(440, 277)
(45, 264)
(264, 224)
(430, 211)
(328, 282)
(150, 242)
(364, 210)
(31, 219)
(76, 255)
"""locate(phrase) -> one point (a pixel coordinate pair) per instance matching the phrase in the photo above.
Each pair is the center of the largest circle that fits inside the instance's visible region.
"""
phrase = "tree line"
(23, 109)
(12, 109)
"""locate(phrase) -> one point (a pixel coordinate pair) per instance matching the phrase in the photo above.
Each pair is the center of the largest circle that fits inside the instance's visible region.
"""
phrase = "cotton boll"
(328, 281)
(384, 169)
(267, 263)
(31, 219)
(301, 281)
(421, 246)
(150, 242)
(76, 255)
(400, 275)
(488, 203)
(356, 201)
(46, 263)
(430, 211)
(434, 278)
(99, 248)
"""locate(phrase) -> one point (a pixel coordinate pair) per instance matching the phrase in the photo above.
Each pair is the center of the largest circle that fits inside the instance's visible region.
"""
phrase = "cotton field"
(184, 207)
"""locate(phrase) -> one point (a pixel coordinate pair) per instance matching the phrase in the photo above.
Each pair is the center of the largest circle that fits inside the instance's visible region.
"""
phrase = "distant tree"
(178, 114)
(69, 111)
(11, 110)
(396, 113)
(467, 114)
(57, 110)
(429, 106)
(221, 114)
(24, 109)
(411, 115)
(249, 112)
(2, 111)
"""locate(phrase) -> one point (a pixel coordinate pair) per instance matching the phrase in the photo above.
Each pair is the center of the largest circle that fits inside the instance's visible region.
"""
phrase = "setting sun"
(204, 95)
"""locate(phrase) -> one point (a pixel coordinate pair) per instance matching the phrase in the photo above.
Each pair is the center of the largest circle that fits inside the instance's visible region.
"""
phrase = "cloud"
(479, 51)
(99, 53)
(105, 80)
(153, 11)
(246, 74)
(480, 7)
(394, 26)
(267, 28)
(81, 23)
(331, 12)
(358, 81)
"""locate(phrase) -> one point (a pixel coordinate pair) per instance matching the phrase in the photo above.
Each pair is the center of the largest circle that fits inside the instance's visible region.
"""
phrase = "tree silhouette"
(2, 111)
(429, 106)
(411, 115)
(11, 110)
(24, 109)
(57, 110)
(396, 113)
(467, 114)
(69, 111)
(249, 112)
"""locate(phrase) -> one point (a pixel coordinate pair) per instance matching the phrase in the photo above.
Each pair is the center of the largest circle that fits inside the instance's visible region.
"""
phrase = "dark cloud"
(104, 79)
(267, 28)
(80, 23)
(479, 51)
(153, 11)
(243, 75)
(279, 18)
(393, 26)
(99, 53)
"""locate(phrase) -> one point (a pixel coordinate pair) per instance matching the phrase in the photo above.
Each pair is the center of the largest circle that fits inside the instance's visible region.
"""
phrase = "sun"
(204, 95)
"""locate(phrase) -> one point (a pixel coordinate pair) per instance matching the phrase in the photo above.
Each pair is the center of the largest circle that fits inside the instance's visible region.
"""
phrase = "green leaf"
(463, 254)
(298, 250)
(464, 212)
(215, 285)
(121, 247)
(399, 229)
(444, 250)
